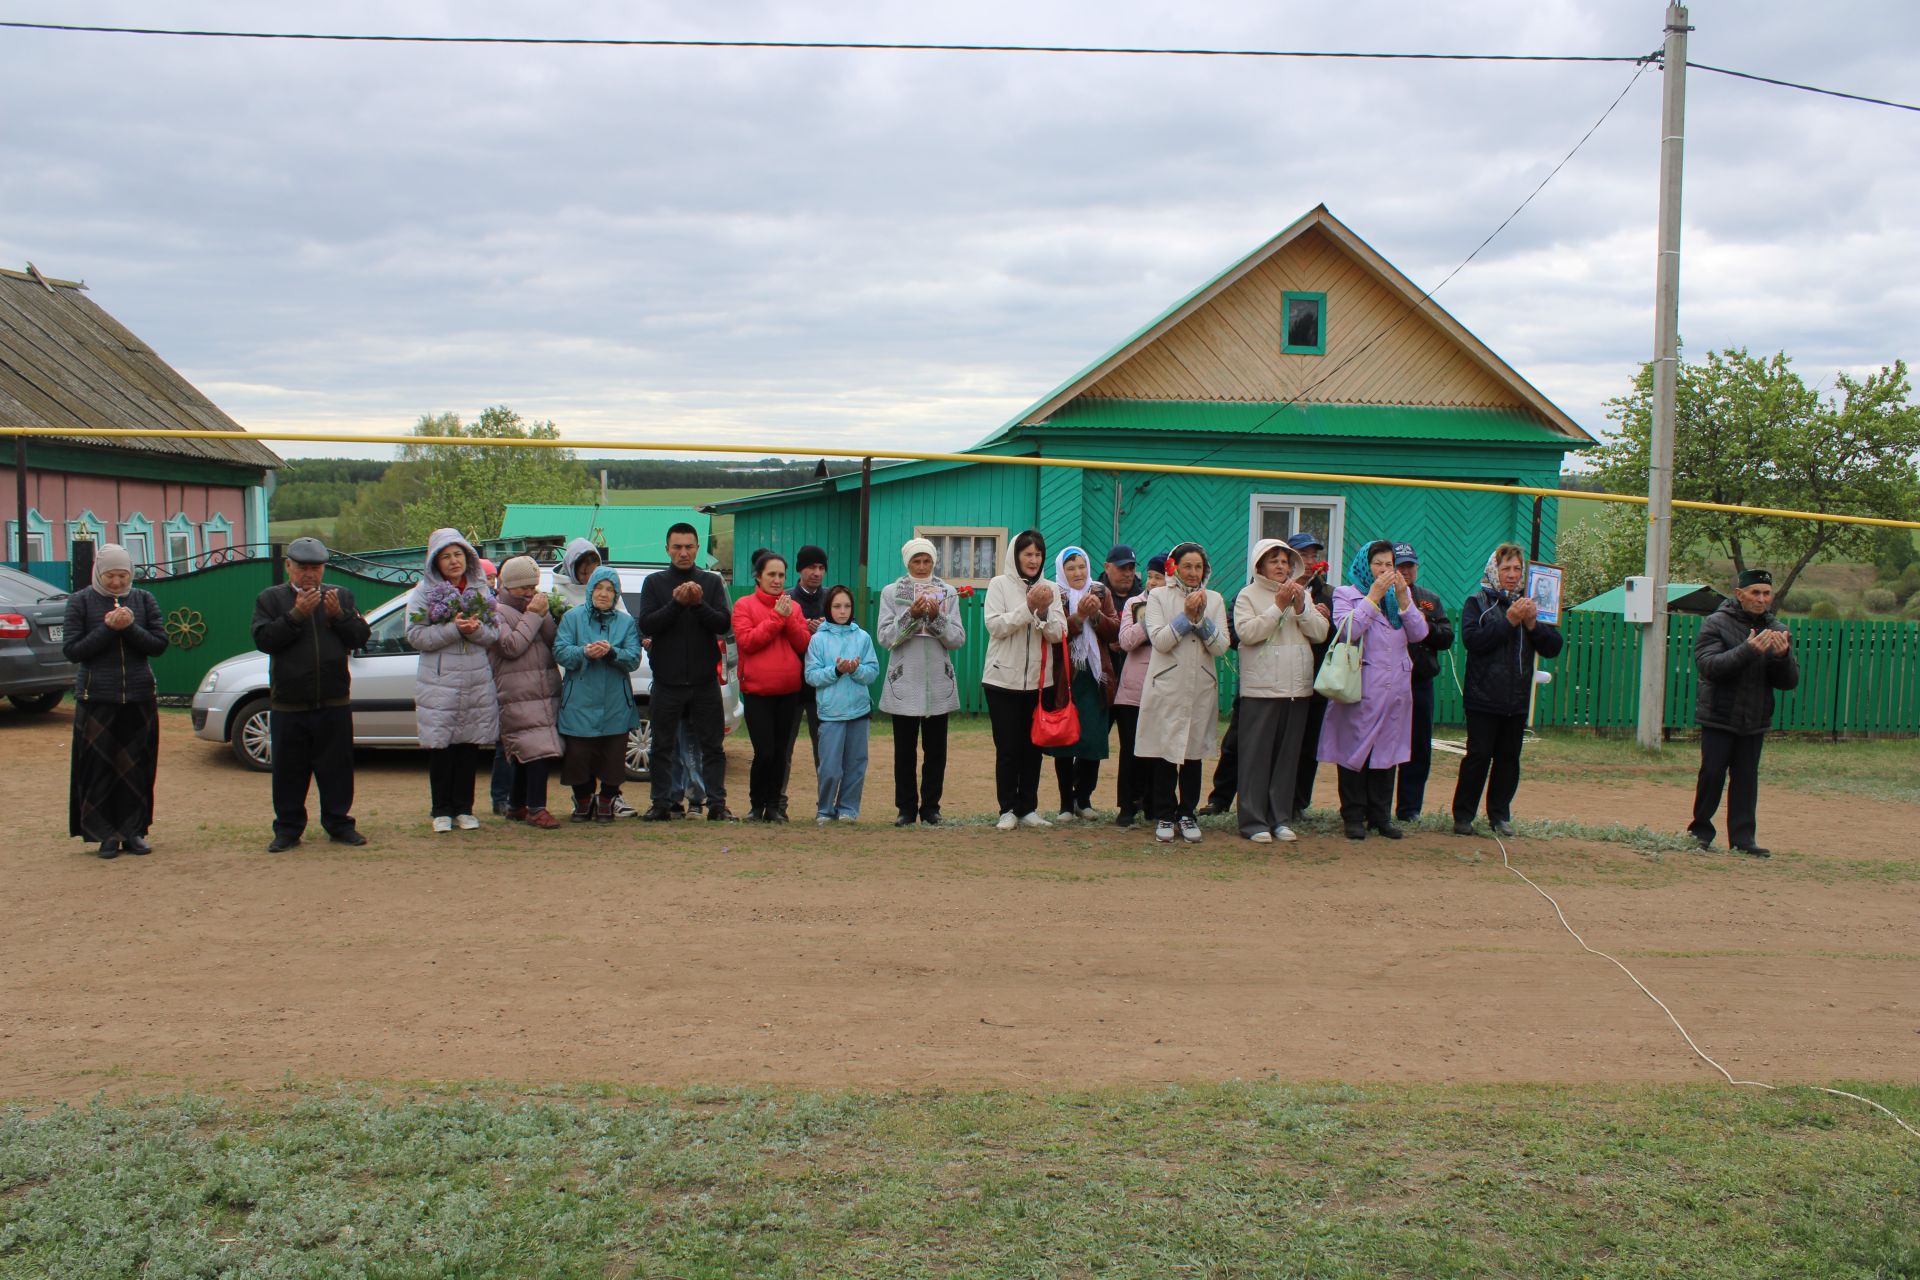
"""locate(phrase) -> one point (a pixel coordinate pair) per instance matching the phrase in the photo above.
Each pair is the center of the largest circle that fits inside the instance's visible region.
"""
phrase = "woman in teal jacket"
(597, 646)
(841, 665)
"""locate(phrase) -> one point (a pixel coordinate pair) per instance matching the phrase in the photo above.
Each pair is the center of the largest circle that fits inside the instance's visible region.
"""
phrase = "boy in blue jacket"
(841, 664)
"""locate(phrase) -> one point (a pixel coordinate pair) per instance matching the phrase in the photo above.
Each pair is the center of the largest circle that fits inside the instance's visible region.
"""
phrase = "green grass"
(1260, 1179)
(1880, 769)
(314, 526)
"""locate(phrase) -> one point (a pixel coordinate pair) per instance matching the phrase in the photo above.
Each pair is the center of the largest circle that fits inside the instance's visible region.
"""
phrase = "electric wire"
(1803, 88)
(1507, 862)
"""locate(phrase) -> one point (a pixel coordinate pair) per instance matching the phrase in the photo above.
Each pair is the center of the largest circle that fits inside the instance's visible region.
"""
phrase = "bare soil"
(872, 957)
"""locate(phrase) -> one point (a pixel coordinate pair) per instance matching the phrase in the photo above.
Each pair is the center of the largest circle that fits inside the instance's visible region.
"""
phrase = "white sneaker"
(1034, 820)
(1283, 834)
(442, 825)
(1189, 830)
(1088, 813)
(822, 820)
(1163, 831)
(466, 822)
(1065, 815)
(1007, 821)
(1261, 837)
(621, 809)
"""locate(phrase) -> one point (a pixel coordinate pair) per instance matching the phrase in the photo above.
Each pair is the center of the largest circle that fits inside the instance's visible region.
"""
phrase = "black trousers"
(528, 787)
(1731, 760)
(1413, 774)
(1226, 774)
(773, 721)
(909, 734)
(1076, 780)
(1016, 761)
(1133, 779)
(1166, 805)
(316, 745)
(1493, 762)
(810, 707)
(450, 773)
(1366, 796)
(699, 706)
(1309, 754)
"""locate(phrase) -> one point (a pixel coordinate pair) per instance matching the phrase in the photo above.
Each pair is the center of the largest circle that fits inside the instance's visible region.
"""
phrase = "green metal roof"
(628, 533)
(1277, 418)
(849, 482)
(1682, 597)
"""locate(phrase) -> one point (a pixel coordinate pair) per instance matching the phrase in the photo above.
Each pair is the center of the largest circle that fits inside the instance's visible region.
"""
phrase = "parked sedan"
(34, 673)
(231, 704)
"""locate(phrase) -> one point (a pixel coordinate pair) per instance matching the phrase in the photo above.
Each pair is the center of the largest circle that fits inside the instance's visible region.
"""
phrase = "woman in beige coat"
(1180, 707)
(1023, 613)
(1278, 627)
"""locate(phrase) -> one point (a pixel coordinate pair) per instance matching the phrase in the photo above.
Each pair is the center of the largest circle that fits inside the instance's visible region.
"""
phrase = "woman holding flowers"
(524, 675)
(841, 665)
(450, 623)
(597, 646)
(920, 626)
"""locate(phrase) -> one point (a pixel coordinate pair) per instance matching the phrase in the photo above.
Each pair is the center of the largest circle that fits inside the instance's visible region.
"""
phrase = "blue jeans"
(501, 783)
(843, 766)
(683, 770)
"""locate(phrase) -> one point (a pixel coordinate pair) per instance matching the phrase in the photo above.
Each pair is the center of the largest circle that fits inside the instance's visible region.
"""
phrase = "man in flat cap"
(309, 630)
(1743, 654)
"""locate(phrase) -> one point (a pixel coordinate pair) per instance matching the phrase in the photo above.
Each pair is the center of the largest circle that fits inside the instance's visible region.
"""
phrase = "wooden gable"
(1229, 348)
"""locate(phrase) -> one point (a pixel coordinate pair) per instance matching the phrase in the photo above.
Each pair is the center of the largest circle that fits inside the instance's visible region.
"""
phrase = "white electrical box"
(1638, 606)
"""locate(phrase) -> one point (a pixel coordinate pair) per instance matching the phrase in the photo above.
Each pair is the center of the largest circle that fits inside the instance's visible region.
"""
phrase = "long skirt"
(116, 749)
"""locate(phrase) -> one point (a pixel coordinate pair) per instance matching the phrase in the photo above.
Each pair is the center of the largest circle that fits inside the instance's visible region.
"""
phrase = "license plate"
(58, 631)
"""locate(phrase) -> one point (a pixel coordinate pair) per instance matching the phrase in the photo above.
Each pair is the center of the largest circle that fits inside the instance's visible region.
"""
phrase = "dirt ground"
(875, 958)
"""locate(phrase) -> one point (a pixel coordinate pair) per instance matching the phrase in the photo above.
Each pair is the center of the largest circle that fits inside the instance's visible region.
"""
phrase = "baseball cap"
(1122, 554)
(1403, 553)
(1302, 540)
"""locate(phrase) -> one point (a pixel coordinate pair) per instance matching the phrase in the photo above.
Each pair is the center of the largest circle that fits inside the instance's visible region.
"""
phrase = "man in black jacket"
(683, 610)
(1426, 665)
(1743, 654)
(309, 630)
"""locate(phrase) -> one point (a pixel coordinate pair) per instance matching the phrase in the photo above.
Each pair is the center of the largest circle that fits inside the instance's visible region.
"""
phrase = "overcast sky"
(835, 249)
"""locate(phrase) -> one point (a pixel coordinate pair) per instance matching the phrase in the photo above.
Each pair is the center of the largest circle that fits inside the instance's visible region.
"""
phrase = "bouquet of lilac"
(444, 602)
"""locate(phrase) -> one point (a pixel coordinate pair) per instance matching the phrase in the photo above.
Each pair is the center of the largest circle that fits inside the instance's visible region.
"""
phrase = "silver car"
(231, 704)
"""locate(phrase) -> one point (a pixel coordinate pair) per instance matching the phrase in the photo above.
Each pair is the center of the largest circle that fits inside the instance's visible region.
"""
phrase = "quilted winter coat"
(453, 694)
(527, 682)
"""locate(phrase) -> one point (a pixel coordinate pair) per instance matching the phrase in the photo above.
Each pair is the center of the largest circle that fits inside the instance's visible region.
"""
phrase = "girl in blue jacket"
(841, 664)
(597, 646)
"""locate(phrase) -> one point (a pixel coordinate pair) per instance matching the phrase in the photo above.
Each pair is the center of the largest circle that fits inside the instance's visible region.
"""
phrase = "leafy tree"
(468, 487)
(377, 519)
(1750, 431)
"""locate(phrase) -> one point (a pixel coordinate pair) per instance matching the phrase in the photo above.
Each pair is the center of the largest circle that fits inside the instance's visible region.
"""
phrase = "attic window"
(1303, 324)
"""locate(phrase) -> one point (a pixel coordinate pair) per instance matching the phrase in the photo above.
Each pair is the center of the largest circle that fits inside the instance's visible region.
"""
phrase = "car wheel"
(252, 738)
(640, 749)
(37, 703)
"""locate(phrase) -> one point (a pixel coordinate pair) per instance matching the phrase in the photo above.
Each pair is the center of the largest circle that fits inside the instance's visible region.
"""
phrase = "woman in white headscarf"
(920, 629)
(112, 630)
(1092, 624)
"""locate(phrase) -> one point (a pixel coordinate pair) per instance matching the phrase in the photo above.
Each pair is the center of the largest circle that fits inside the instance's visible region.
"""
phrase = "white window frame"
(1336, 532)
(934, 533)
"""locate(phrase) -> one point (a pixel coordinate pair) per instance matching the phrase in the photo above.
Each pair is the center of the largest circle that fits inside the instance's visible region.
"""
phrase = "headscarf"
(1174, 579)
(600, 575)
(1030, 537)
(1490, 576)
(918, 547)
(109, 557)
(1360, 574)
(1086, 646)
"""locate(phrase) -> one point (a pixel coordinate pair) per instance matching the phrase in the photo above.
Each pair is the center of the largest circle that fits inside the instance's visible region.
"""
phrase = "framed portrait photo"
(1543, 588)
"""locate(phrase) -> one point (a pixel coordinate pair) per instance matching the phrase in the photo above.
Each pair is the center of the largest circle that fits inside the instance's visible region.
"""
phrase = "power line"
(1420, 306)
(1804, 88)
(856, 45)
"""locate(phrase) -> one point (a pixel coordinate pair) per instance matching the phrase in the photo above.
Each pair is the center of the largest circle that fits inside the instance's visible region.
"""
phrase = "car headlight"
(212, 681)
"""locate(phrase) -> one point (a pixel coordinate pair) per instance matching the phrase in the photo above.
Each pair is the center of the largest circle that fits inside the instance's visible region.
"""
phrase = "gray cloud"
(813, 250)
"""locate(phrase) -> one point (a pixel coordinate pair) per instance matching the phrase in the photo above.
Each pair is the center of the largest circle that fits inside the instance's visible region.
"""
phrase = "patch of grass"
(1236, 1179)
(1878, 768)
(313, 527)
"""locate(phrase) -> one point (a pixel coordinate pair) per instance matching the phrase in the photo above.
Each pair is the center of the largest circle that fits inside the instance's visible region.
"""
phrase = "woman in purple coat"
(1368, 738)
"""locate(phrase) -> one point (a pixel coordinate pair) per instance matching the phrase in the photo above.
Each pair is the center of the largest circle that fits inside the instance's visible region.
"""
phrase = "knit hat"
(109, 557)
(520, 571)
(809, 555)
(917, 547)
(486, 568)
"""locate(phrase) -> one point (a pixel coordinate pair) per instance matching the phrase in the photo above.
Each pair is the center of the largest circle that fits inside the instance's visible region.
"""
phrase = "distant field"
(314, 527)
(673, 497)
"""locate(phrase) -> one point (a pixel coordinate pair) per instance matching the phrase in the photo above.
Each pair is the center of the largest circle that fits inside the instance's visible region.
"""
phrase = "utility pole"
(1666, 368)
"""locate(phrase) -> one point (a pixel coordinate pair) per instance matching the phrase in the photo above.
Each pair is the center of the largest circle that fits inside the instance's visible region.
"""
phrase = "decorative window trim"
(177, 526)
(38, 527)
(1336, 530)
(934, 533)
(95, 527)
(216, 524)
(1286, 306)
(138, 526)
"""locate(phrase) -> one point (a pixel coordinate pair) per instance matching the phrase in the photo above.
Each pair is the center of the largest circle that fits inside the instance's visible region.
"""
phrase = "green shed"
(631, 535)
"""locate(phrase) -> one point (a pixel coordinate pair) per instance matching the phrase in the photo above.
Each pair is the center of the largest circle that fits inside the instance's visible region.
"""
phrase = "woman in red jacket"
(773, 637)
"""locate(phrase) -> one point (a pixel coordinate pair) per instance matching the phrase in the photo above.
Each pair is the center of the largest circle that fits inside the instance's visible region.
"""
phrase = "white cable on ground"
(1507, 862)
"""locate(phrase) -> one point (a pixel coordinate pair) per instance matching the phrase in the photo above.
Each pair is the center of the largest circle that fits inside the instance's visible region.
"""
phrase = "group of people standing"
(1124, 650)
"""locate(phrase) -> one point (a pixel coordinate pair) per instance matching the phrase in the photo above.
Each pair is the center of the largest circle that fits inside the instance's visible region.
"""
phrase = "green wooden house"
(1312, 353)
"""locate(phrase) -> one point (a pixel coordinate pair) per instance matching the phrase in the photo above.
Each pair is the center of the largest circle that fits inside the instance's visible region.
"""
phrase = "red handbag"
(1059, 728)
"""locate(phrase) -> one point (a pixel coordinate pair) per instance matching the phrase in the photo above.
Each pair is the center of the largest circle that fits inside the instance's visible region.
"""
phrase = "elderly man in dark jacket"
(308, 631)
(1412, 782)
(1743, 654)
(1501, 630)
